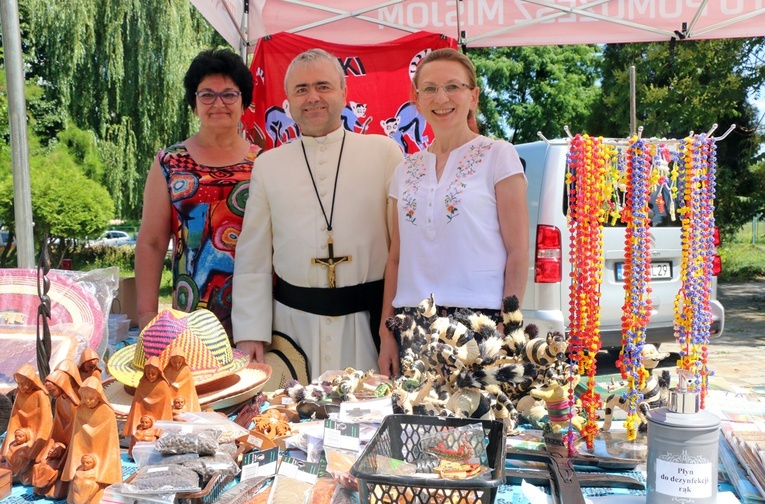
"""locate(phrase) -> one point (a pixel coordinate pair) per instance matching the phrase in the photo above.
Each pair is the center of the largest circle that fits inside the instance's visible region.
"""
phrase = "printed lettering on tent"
(379, 88)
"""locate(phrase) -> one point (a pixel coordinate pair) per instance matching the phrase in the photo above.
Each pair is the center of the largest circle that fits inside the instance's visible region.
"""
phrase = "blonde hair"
(448, 54)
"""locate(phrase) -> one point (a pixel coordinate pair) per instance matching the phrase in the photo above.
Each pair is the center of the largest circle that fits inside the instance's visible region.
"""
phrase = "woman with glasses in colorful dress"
(461, 225)
(195, 194)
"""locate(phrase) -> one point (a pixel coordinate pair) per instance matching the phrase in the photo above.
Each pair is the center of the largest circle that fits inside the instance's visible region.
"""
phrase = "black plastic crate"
(399, 437)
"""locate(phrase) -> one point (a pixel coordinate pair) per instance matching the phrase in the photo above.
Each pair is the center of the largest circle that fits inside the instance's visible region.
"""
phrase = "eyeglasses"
(208, 97)
(450, 89)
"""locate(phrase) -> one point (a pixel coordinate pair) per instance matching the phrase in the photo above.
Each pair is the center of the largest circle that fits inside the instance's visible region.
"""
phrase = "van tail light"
(716, 261)
(547, 260)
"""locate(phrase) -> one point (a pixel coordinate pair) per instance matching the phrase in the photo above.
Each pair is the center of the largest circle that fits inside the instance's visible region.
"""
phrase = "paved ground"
(739, 354)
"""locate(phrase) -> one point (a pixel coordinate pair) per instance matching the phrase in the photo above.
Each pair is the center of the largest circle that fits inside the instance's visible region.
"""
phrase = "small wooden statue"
(85, 486)
(179, 406)
(31, 410)
(152, 397)
(46, 474)
(70, 369)
(18, 459)
(89, 364)
(145, 432)
(51, 460)
(181, 381)
(94, 433)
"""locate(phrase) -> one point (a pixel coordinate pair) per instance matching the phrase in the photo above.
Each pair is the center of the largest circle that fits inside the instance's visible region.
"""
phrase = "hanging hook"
(568, 131)
(722, 137)
(540, 135)
(712, 130)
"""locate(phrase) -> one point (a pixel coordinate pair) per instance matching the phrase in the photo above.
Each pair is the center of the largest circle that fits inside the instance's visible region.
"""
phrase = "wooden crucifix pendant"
(330, 262)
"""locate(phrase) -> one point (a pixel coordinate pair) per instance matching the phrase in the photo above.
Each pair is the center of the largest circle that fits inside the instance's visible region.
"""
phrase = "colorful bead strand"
(588, 191)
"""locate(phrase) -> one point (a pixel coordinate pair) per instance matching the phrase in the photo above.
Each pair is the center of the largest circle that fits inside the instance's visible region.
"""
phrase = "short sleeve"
(506, 162)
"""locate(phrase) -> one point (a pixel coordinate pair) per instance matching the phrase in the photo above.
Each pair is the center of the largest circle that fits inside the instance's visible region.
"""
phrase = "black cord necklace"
(331, 261)
(334, 190)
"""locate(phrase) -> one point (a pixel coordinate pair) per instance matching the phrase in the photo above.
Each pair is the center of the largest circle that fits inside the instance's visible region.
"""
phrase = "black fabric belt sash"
(335, 302)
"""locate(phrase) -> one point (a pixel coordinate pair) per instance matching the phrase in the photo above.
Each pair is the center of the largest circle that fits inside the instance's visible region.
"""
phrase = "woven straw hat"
(226, 392)
(200, 336)
(287, 360)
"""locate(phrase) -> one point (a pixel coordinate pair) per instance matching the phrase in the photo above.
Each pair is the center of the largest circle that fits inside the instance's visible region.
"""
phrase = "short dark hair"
(218, 62)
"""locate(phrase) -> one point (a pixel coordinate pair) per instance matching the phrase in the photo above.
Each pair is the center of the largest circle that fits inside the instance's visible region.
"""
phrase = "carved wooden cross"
(330, 262)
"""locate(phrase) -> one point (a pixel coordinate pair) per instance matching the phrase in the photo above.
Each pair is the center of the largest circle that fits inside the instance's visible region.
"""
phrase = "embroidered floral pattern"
(465, 168)
(415, 171)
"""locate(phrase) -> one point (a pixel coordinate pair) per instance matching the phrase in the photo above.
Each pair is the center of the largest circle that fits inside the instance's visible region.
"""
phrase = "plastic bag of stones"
(169, 478)
(174, 443)
(209, 466)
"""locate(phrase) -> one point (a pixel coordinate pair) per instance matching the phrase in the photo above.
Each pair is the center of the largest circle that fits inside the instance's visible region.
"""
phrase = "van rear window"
(661, 207)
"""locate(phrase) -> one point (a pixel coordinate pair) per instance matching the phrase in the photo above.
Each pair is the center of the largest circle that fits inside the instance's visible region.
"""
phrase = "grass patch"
(743, 257)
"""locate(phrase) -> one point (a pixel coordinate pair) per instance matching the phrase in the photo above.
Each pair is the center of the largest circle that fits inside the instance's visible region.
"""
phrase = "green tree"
(116, 67)
(66, 204)
(530, 89)
(689, 86)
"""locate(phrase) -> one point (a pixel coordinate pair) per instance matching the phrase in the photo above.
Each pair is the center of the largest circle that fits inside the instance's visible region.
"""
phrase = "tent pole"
(633, 102)
(17, 115)
(244, 41)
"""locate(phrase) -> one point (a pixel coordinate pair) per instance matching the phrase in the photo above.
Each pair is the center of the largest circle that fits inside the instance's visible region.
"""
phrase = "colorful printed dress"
(208, 207)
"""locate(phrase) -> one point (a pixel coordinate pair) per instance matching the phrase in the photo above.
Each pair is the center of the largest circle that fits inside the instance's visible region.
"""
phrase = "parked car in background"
(114, 238)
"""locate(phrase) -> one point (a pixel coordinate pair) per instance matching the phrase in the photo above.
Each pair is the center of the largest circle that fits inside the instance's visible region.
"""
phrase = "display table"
(734, 406)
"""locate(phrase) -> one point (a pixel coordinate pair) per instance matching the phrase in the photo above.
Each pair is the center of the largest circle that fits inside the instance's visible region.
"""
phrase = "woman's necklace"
(330, 261)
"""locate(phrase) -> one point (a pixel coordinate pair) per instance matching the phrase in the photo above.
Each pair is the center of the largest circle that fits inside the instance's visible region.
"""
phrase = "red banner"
(379, 85)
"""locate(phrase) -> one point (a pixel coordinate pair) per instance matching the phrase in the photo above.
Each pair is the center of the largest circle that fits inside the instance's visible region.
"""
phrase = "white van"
(546, 303)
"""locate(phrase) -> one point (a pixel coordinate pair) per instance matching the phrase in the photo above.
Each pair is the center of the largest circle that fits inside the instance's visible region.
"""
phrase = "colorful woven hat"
(200, 336)
(71, 303)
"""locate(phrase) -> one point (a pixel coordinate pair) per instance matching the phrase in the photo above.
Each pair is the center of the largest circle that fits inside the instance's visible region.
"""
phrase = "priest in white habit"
(316, 216)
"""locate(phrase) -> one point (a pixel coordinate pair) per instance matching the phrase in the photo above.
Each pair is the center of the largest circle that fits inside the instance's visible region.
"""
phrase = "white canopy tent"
(486, 23)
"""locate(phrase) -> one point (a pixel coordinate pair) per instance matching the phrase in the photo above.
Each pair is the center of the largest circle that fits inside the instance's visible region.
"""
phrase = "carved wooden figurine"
(18, 458)
(51, 460)
(95, 434)
(152, 397)
(145, 431)
(31, 410)
(85, 486)
(46, 474)
(179, 376)
(89, 365)
(179, 407)
(69, 368)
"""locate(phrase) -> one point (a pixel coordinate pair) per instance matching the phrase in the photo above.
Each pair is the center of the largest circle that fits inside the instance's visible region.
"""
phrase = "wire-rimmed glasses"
(208, 97)
(450, 89)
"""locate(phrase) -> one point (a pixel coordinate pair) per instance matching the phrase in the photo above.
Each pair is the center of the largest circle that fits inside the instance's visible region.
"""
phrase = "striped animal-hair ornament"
(588, 209)
(697, 167)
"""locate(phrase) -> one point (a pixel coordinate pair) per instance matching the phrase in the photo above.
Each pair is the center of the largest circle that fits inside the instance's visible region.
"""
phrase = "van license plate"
(659, 270)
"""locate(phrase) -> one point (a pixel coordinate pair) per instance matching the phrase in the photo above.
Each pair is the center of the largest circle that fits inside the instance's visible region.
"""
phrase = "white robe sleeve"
(252, 301)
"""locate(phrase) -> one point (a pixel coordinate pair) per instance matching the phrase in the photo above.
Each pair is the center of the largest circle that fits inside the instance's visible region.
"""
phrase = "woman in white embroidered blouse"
(460, 229)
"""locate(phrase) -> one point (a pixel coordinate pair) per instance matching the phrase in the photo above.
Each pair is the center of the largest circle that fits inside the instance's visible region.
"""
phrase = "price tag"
(300, 470)
(342, 435)
(259, 463)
